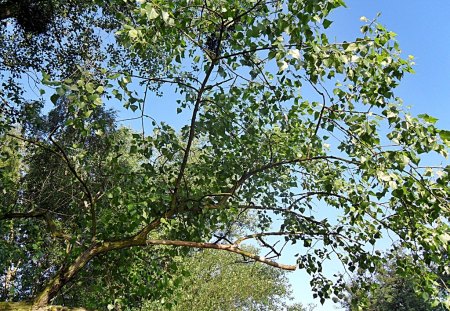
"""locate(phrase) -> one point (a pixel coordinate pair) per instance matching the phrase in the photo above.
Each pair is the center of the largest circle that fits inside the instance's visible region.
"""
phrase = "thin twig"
(84, 186)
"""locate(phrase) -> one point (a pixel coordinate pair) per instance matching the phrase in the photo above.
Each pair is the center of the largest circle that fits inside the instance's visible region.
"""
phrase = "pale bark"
(68, 273)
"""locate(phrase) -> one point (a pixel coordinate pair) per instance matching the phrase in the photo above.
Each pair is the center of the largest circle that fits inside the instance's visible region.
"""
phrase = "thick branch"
(28, 306)
(67, 273)
(192, 131)
(32, 214)
(228, 248)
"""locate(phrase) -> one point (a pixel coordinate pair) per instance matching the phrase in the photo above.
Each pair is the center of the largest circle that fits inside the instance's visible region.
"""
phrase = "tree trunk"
(63, 277)
(67, 273)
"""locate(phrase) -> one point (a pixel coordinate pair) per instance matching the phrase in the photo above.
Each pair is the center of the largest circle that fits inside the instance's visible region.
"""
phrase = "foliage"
(54, 195)
(388, 290)
(59, 38)
(268, 115)
(223, 281)
(31, 15)
(301, 307)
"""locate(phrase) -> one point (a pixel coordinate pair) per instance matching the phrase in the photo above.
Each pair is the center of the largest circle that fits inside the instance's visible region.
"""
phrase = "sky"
(423, 30)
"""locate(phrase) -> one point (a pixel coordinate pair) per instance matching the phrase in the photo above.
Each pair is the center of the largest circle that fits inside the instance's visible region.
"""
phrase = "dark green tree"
(224, 281)
(53, 192)
(387, 289)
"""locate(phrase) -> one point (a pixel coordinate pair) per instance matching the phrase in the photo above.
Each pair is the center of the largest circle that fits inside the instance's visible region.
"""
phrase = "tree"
(46, 188)
(32, 16)
(249, 139)
(387, 290)
(223, 281)
(59, 38)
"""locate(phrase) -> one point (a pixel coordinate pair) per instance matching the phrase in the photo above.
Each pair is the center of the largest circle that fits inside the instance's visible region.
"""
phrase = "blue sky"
(423, 31)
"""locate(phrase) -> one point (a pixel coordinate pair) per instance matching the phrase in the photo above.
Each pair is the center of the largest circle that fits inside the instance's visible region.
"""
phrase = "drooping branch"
(40, 215)
(35, 143)
(66, 274)
(228, 248)
(64, 157)
(282, 210)
(272, 165)
(263, 234)
(295, 161)
(169, 80)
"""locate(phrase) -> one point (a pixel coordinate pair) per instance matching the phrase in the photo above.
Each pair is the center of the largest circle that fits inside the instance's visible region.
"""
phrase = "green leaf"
(428, 118)
(326, 23)
(90, 87)
(165, 16)
(445, 136)
(151, 13)
(133, 33)
(54, 98)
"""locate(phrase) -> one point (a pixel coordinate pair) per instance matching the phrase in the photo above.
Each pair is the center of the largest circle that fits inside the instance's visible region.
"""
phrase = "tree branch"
(228, 248)
(295, 161)
(68, 272)
(323, 107)
(262, 234)
(83, 184)
(191, 132)
(31, 214)
(271, 165)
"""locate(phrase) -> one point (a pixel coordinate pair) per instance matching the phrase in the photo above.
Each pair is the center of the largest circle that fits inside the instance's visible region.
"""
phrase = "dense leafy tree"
(387, 290)
(33, 15)
(224, 281)
(243, 137)
(48, 188)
